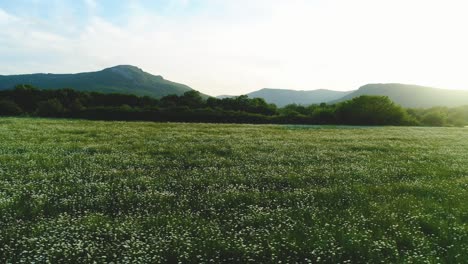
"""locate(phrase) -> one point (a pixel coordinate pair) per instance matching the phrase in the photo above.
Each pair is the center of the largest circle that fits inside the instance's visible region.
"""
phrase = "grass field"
(84, 191)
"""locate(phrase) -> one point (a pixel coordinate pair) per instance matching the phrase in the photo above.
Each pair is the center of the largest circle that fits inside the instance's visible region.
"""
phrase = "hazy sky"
(237, 46)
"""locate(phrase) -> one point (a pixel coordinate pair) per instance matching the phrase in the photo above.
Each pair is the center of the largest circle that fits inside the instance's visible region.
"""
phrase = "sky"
(237, 46)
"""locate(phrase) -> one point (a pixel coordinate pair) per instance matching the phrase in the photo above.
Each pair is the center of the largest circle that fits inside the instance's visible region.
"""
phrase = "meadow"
(139, 192)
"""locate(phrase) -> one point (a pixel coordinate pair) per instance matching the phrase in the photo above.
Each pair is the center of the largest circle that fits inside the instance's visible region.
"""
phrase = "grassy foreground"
(84, 191)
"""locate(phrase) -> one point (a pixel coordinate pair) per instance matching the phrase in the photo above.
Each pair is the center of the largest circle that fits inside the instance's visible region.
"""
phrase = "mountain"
(125, 79)
(413, 96)
(282, 97)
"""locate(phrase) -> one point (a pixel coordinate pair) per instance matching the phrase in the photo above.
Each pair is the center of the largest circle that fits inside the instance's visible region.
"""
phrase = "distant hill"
(125, 79)
(282, 97)
(413, 96)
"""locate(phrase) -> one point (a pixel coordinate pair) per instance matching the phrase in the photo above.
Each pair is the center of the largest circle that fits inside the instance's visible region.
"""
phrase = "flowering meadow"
(74, 191)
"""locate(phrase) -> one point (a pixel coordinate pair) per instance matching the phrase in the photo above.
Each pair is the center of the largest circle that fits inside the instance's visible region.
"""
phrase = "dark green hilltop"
(125, 79)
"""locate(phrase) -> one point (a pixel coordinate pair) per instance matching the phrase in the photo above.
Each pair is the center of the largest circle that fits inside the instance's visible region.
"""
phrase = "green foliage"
(192, 99)
(192, 107)
(74, 191)
(441, 116)
(50, 108)
(76, 106)
(9, 108)
(434, 119)
(243, 104)
(371, 110)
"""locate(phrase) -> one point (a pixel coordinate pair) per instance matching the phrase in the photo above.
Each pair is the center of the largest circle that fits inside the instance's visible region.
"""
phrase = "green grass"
(84, 191)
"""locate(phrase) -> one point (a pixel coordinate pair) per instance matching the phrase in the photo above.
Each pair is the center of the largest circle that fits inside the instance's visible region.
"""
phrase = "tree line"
(26, 100)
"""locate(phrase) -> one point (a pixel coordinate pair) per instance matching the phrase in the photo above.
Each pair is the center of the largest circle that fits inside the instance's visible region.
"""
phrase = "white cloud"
(5, 17)
(91, 5)
(233, 47)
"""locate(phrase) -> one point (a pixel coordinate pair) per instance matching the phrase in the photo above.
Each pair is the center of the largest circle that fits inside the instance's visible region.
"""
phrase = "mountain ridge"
(412, 96)
(129, 79)
(406, 95)
(125, 79)
(283, 97)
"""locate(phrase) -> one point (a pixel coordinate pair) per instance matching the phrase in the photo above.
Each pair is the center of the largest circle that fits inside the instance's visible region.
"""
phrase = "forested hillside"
(412, 95)
(124, 79)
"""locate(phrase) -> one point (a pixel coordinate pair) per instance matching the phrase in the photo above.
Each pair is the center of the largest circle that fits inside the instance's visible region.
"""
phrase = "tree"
(50, 108)
(170, 101)
(192, 99)
(76, 106)
(434, 118)
(9, 108)
(372, 110)
(26, 96)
